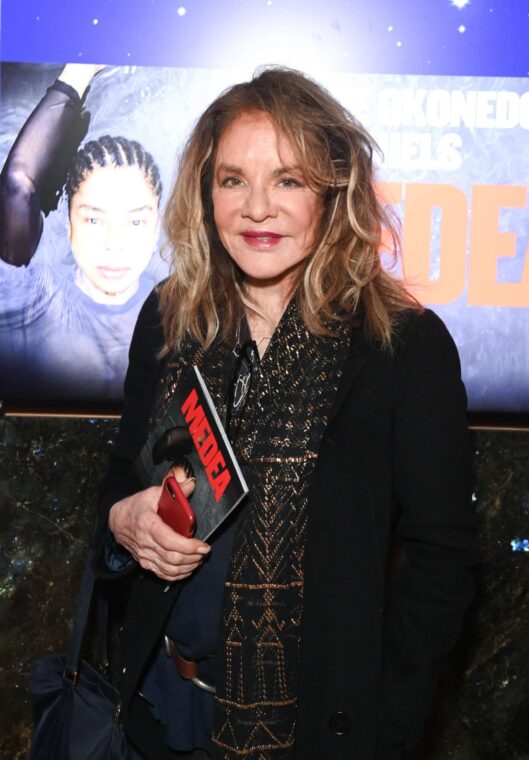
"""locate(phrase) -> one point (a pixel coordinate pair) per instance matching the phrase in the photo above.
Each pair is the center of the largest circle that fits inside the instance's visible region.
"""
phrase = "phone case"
(175, 510)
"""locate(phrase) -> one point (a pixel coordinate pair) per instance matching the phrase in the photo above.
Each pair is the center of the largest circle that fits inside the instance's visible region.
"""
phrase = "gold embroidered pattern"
(280, 431)
(284, 460)
(275, 586)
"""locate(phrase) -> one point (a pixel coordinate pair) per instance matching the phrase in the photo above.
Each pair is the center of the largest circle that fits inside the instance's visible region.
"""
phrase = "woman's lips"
(262, 239)
(111, 273)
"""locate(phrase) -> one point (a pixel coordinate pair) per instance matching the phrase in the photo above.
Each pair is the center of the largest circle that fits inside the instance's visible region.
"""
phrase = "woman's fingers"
(168, 554)
(171, 548)
(168, 571)
(186, 483)
(168, 541)
(153, 544)
(151, 533)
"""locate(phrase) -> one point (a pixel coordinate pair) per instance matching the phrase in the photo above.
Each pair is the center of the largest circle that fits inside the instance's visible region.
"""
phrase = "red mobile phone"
(174, 508)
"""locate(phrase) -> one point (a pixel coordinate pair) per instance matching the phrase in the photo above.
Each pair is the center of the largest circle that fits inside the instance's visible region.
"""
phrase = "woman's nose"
(258, 204)
(114, 241)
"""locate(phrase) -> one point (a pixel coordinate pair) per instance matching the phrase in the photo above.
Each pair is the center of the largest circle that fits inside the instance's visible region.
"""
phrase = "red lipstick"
(261, 239)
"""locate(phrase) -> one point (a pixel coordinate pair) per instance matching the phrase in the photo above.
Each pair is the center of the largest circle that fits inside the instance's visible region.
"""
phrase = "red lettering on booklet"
(208, 450)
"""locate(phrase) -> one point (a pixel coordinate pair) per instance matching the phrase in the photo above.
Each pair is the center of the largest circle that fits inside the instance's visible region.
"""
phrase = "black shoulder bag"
(76, 710)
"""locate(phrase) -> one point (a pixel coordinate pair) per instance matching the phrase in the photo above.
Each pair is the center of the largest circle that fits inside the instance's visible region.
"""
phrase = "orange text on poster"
(470, 242)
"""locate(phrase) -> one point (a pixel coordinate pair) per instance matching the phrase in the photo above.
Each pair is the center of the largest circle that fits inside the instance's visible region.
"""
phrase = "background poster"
(449, 108)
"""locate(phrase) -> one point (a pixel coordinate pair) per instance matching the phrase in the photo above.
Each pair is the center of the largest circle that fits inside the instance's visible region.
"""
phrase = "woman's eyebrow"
(287, 170)
(230, 168)
(97, 209)
(145, 207)
(89, 207)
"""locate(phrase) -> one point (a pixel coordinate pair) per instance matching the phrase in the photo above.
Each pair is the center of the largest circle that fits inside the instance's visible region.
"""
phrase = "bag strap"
(81, 616)
(102, 634)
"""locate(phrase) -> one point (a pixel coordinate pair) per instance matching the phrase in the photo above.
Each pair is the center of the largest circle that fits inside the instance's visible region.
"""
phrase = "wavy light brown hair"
(342, 277)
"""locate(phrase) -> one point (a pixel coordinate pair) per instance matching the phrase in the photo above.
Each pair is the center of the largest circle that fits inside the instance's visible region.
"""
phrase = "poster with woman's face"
(83, 192)
(454, 168)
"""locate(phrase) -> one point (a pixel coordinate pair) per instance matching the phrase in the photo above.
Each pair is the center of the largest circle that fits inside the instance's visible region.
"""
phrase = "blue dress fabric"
(185, 710)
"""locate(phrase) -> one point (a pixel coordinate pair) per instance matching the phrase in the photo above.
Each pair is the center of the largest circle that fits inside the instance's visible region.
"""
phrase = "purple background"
(483, 38)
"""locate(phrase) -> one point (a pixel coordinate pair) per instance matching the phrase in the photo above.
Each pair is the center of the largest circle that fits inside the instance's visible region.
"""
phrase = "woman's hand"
(79, 75)
(153, 544)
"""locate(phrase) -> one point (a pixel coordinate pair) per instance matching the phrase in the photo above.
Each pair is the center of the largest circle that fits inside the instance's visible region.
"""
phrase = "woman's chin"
(106, 290)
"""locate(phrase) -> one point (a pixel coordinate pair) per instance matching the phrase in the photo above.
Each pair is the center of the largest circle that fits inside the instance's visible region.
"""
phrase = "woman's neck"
(261, 330)
(271, 304)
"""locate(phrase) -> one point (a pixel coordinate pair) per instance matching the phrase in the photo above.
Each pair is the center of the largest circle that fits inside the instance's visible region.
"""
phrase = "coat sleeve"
(141, 382)
(432, 485)
(36, 168)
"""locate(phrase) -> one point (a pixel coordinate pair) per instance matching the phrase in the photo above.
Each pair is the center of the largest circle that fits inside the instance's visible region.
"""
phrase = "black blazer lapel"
(360, 349)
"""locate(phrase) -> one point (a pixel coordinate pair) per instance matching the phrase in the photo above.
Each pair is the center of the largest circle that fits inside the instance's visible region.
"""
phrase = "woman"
(352, 431)
(69, 335)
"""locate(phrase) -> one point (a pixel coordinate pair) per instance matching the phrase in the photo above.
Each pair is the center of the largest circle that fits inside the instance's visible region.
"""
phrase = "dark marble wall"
(49, 469)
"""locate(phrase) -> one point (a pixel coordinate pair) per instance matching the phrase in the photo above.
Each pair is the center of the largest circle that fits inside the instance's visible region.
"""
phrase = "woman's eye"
(92, 220)
(231, 182)
(135, 222)
(290, 182)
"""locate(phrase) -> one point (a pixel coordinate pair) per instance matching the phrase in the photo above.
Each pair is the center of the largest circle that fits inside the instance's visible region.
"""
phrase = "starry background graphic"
(462, 37)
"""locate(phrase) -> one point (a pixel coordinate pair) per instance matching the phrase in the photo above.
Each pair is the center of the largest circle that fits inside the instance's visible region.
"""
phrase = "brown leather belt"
(187, 669)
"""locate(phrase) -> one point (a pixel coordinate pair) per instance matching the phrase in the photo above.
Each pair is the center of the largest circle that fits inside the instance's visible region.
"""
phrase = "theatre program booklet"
(191, 429)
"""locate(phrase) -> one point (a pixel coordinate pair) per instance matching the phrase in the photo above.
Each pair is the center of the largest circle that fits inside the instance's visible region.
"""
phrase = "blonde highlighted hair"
(342, 278)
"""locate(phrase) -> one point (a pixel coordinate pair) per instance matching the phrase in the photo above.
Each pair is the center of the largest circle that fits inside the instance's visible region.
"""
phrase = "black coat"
(393, 466)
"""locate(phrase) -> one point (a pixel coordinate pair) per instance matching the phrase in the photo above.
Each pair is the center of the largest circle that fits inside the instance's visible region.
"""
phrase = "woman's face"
(114, 225)
(266, 215)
